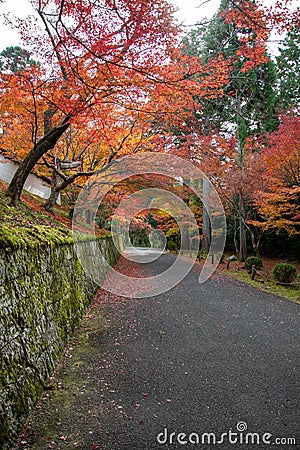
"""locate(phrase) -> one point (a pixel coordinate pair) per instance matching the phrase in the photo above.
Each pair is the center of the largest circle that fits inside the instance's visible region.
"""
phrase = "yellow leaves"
(255, 223)
(280, 209)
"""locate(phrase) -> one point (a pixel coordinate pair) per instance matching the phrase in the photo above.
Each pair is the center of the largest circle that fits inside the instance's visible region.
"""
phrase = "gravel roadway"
(216, 363)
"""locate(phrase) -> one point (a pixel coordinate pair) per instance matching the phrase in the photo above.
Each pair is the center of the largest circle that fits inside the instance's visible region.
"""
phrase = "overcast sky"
(189, 13)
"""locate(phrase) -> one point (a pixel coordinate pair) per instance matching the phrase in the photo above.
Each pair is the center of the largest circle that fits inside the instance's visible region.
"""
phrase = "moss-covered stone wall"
(43, 294)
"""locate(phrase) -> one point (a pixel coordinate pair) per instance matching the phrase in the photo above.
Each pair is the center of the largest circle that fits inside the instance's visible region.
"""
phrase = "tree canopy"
(96, 81)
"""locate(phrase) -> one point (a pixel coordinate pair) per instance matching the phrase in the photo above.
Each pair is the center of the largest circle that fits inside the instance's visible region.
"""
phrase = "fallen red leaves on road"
(125, 267)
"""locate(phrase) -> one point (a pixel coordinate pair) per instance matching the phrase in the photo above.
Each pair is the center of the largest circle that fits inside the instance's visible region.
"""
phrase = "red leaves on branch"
(283, 15)
(250, 19)
(279, 202)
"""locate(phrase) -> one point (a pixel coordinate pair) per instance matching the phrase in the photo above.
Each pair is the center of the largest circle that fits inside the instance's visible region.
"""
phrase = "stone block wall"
(43, 294)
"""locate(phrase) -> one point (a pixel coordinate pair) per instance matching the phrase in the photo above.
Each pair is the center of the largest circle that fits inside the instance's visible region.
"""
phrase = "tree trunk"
(206, 241)
(255, 239)
(56, 183)
(241, 135)
(47, 142)
(185, 243)
(49, 204)
(254, 244)
(235, 235)
(243, 236)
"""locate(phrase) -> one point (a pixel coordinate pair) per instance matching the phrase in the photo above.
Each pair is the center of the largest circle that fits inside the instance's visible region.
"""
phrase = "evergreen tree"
(249, 99)
(248, 104)
(288, 66)
(15, 59)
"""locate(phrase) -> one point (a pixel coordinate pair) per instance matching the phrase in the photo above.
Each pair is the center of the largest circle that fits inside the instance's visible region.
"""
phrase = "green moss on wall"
(37, 235)
(43, 294)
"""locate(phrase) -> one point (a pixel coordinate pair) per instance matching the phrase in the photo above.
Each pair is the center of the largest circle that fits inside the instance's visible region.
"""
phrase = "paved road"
(197, 359)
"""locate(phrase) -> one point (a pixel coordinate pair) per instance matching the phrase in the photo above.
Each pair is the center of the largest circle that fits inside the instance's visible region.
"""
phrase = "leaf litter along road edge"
(49, 425)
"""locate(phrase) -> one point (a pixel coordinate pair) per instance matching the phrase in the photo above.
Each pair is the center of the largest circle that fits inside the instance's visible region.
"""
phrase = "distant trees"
(16, 59)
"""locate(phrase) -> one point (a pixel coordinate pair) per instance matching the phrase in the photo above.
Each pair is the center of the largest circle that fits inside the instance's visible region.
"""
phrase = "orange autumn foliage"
(279, 202)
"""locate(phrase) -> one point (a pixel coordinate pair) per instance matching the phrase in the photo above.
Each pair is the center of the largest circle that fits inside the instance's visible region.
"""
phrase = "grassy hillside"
(30, 224)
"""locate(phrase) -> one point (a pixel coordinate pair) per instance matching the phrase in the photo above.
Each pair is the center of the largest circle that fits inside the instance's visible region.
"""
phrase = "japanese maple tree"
(91, 53)
(279, 202)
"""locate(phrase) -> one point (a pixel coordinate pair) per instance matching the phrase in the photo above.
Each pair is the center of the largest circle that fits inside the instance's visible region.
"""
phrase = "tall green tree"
(249, 98)
(248, 105)
(288, 66)
(16, 59)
